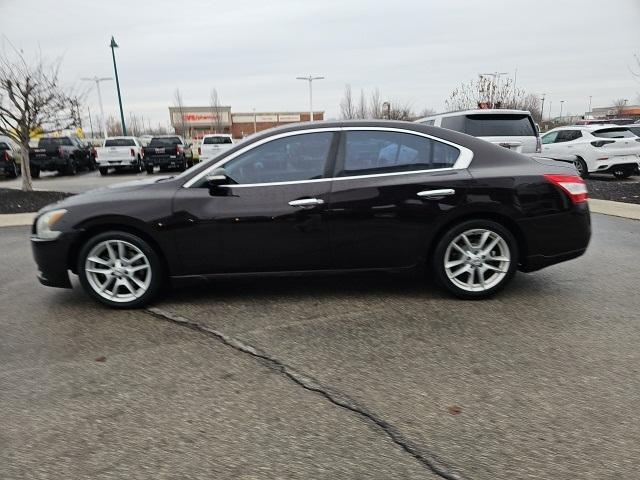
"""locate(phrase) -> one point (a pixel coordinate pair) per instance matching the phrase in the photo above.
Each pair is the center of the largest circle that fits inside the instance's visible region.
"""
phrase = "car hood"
(131, 189)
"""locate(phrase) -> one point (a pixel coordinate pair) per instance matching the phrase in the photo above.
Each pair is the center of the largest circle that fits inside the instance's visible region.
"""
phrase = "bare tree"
(32, 99)
(619, 105)
(426, 112)
(361, 109)
(484, 91)
(347, 108)
(177, 100)
(401, 111)
(113, 126)
(375, 104)
(216, 111)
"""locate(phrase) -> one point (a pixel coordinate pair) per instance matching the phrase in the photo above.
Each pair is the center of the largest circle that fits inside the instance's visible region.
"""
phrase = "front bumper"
(51, 258)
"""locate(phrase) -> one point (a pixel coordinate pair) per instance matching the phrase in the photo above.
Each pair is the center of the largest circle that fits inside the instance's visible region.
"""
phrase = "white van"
(513, 129)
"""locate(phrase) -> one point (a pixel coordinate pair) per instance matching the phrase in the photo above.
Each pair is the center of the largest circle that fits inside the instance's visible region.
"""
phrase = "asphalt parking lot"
(371, 376)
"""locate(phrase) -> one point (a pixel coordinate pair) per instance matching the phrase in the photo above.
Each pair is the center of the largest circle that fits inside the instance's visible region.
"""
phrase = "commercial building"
(194, 122)
(627, 111)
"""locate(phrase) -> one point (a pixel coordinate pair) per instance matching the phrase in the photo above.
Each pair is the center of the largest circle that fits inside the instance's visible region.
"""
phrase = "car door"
(269, 216)
(390, 187)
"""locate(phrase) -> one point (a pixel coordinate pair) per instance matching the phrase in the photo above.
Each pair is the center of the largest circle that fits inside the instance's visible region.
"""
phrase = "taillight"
(538, 145)
(602, 143)
(94, 152)
(572, 185)
(200, 150)
(133, 152)
(178, 150)
(142, 152)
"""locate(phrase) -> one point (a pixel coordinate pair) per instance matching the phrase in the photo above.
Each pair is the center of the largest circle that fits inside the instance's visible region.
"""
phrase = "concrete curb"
(606, 207)
(617, 209)
(16, 219)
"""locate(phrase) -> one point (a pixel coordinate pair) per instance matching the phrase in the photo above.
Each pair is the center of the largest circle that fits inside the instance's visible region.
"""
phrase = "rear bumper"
(118, 162)
(555, 238)
(51, 258)
(631, 166)
(49, 164)
(165, 161)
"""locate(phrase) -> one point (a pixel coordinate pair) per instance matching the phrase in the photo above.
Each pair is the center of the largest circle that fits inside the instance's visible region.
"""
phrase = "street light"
(114, 45)
(542, 108)
(97, 81)
(310, 79)
(561, 103)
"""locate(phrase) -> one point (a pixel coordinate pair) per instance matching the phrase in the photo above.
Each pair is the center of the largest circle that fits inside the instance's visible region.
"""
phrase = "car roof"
(589, 128)
(216, 135)
(477, 111)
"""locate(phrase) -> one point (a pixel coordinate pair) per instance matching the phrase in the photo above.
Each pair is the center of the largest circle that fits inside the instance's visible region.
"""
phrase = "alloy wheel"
(477, 260)
(118, 271)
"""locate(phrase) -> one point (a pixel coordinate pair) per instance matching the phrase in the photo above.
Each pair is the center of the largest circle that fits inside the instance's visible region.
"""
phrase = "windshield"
(119, 142)
(613, 133)
(164, 141)
(499, 125)
(216, 140)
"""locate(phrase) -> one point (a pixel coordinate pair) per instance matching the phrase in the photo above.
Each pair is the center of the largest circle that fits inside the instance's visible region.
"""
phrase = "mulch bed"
(609, 188)
(17, 201)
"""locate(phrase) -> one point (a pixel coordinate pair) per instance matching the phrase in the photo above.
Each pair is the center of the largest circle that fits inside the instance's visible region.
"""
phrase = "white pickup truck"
(213, 145)
(119, 153)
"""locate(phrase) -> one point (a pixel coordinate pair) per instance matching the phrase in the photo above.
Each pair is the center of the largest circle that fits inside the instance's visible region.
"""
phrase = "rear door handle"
(443, 192)
(306, 202)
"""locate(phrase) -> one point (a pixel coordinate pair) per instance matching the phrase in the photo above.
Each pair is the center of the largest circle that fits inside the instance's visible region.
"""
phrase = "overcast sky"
(251, 51)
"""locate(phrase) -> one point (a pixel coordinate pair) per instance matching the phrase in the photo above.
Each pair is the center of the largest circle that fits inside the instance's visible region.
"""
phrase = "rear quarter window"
(613, 133)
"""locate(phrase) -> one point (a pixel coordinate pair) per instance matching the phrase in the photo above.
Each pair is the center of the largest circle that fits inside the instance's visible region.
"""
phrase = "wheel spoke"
(481, 277)
(495, 269)
(483, 239)
(112, 253)
(135, 258)
(137, 281)
(471, 278)
(459, 248)
(127, 284)
(467, 242)
(499, 259)
(102, 271)
(491, 246)
(460, 271)
(121, 250)
(99, 260)
(454, 263)
(139, 267)
(106, 283)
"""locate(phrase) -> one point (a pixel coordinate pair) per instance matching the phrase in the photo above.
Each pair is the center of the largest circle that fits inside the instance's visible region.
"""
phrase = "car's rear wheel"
(475, 258)
(13, 171)
(103, 170)
(120, 270)
(581, 166)
(149, 169)
(35, 172)
(72, 168)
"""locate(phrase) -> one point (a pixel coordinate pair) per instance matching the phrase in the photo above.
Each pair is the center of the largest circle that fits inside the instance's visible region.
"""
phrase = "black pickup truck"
(10, 158)
(166, 152)
(61, 154)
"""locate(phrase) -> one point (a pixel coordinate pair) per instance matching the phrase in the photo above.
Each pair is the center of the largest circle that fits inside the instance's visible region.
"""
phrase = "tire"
(13, 172)
(91, 165)
(134, 289)
(103, 171)
(149, 169)
(581, 166)
(622, 173)
(35, 172)
(72, 168)
(463, 279)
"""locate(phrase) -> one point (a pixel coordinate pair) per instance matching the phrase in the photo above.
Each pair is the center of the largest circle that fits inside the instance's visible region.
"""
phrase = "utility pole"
(495, 84)
(310, 79)
(113, 46)
(561, 104)
(254, 121)
(590, 105)
(542, 108)
(97, 81)
(90, 122)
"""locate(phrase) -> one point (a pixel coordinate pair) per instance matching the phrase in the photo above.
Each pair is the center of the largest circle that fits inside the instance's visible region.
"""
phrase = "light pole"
(542, 108)
(97, 81)
(254, 121)
(590, 106)
(310, 79)
(113, 46)
(495, 84)
(561, 103)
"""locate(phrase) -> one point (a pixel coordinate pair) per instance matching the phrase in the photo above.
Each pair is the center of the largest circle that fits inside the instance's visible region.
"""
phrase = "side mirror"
(217, 177)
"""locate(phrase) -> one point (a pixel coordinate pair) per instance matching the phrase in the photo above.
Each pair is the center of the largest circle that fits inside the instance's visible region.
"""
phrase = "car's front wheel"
(120, 270)
(475, 258)
(581, 167)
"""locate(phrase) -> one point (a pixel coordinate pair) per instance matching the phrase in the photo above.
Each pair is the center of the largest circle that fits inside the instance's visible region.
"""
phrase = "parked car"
(62, 154)
(634, 128)
(167, 152)
(213, 145)
(598, 148)
(119, 153)
(10, 157)
(317, 197)
(513, 129)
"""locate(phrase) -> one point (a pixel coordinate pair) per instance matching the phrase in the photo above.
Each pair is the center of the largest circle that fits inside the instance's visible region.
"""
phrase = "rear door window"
(375, 152)
(568, 135)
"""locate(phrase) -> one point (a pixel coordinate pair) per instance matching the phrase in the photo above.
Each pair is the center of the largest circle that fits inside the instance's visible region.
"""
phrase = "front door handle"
(443, 192)
(306, 202)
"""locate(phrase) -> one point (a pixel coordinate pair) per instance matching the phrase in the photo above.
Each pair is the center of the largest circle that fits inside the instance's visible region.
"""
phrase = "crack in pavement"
(309, 383)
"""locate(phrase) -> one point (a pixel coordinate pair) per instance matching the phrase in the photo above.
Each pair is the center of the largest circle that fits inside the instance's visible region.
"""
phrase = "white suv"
(213, 145)
(513, 129)
(596, 148)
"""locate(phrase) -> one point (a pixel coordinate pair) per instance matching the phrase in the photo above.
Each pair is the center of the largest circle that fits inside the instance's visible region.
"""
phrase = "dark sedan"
(320, 197)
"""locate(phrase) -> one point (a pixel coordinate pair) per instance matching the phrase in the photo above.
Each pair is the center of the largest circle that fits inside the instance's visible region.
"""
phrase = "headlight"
(46, 223)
